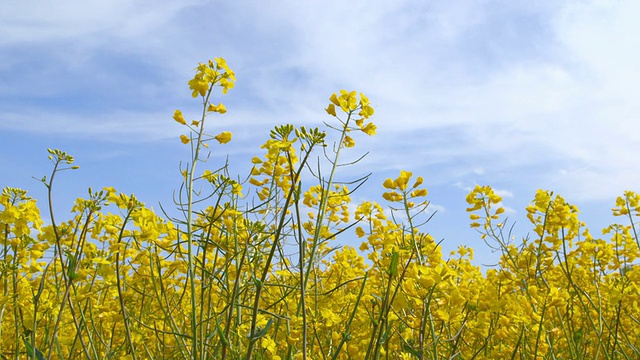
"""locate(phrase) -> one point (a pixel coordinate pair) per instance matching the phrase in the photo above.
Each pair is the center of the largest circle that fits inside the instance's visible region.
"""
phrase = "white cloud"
(117, 126)
(41, 22)
(469, 90)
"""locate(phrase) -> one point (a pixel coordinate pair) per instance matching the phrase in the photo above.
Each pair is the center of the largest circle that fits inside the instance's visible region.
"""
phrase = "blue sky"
(519, 95)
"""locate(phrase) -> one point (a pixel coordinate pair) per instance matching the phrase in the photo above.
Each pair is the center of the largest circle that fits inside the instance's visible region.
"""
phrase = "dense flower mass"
(264, 275)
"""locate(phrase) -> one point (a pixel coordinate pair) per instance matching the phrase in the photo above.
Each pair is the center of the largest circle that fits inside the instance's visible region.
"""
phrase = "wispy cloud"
(512, 92)
(116, 126)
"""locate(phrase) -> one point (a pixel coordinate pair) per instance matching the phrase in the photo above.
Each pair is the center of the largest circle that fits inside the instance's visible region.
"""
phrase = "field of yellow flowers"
(252, 270)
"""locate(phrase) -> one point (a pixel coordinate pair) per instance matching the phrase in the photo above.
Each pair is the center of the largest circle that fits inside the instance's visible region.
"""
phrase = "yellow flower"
(403, 179)
(184, 139)
(236, 188)
(392, 196)
(364, 246)
(334, 99)
(369, 129)
(224, 137)
(268, 344)
(177, 116)
(331, 109)
(220, 108)
(199, 86)
(419, 193)
(388, 183)
(349, 142)
(330, 318)
(419, 181)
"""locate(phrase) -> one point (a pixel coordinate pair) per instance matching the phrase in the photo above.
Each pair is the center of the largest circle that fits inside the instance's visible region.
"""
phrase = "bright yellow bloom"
(419, 181)
(369, 129)
(349, 142)
(392, 196)
(185, 139)
(402, 180)
(210, 74)
(330, 318)
(268, 344)
(224, 137)
(220, 108)
(331, 109)
(177, 116)
(419, 193)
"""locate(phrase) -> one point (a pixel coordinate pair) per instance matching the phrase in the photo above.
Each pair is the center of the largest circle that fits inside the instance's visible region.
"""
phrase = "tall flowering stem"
(208, 77)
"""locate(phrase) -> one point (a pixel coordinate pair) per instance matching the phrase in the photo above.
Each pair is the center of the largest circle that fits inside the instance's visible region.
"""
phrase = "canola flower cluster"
(263, 277)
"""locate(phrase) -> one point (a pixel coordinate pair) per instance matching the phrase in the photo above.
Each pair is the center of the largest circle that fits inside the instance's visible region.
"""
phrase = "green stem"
(58, 251)
(123, 309)
(195, 152)
(325, 199)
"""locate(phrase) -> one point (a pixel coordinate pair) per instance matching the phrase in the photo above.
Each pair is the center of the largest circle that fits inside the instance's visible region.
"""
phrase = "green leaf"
(71, 269)
(262, 331)
(393, 267)
(220, 334)
(33, 351)
(408, 348)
